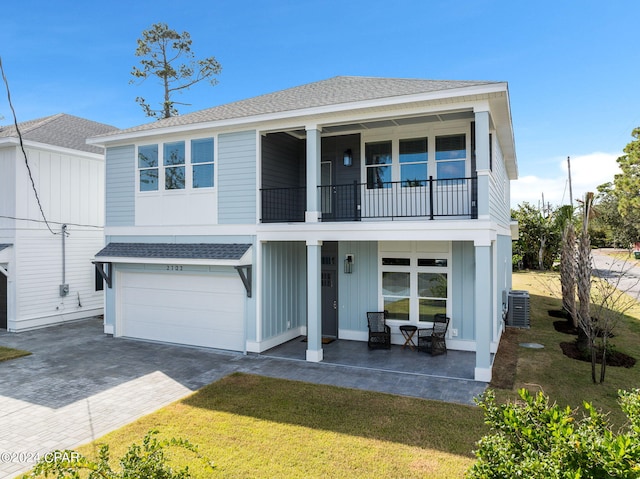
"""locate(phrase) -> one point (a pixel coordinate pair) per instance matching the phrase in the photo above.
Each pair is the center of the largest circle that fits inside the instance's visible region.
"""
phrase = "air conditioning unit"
(519, 311)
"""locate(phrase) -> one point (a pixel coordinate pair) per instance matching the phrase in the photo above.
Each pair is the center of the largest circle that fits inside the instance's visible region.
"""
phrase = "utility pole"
(570, 190)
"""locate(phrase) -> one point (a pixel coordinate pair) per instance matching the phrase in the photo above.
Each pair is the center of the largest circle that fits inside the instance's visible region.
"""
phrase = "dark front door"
(3, 301)
(329, 281)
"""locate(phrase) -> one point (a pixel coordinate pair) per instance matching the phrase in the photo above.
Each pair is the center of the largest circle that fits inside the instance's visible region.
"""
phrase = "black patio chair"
(432, 340)
(379, 332)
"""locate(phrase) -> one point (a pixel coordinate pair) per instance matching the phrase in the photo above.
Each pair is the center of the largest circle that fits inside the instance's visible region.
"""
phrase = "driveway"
(80, 384)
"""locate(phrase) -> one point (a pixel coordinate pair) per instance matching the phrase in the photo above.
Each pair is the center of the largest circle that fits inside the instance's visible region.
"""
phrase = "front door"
(329, 281)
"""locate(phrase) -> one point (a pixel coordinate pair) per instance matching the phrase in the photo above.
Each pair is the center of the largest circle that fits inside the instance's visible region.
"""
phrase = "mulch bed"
(615, 358)
(506, 361)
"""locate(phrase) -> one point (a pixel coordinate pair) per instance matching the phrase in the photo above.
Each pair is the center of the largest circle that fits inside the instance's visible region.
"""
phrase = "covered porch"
(402, 360)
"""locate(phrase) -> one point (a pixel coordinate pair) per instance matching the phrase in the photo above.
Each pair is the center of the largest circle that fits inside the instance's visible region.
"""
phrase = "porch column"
(483, 310)
(482, 162)
(313, 174)
(314, 303)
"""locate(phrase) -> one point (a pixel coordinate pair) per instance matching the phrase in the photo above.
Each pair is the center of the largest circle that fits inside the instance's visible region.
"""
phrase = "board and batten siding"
(358, 291)
(120, 186)
(284, 279)
(236, 166)
(463, 289)
(7, 187)
(39, 270)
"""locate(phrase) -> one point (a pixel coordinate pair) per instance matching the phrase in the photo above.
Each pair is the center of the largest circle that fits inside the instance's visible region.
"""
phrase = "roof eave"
(483, 89)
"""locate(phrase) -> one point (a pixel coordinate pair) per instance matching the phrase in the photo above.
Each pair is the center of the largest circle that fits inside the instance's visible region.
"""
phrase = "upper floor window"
(174, 169)
(451, 155)
(148, 166)
(413, 162)
(180, 164)
(378, 164)
(202, 162)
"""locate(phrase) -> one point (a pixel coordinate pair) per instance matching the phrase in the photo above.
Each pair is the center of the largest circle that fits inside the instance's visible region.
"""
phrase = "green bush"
(534, 439)
(146, 461)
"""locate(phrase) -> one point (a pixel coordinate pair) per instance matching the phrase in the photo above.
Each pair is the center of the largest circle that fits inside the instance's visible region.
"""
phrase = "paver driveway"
(80, 384)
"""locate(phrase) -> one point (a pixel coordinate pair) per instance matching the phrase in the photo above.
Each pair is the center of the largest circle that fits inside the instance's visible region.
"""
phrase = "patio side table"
(408, 332)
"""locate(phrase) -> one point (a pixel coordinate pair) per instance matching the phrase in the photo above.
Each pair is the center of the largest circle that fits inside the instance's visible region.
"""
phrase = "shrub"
(146, 461)
(535, 439)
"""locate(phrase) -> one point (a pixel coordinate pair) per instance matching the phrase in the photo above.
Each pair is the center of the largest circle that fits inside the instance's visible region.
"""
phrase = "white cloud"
(587, 173)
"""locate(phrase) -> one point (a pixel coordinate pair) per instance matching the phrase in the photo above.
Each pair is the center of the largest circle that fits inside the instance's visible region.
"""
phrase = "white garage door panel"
(200, 310)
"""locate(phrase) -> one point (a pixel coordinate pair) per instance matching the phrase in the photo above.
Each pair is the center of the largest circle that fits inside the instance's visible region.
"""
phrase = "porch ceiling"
(386, 123)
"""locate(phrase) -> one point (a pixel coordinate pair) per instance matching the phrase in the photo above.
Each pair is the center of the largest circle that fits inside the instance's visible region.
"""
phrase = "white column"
(313, 174)
(482, 162)
(314, 302)
(483, 310)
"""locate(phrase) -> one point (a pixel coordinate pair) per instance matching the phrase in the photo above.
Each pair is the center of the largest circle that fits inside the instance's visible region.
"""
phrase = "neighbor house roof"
(334, 91)
(66, 131)
(216, 251)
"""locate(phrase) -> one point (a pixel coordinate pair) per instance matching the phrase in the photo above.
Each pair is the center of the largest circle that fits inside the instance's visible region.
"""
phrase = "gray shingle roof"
(66, 131)
(221, 251)
(3, 246)
(334, 91)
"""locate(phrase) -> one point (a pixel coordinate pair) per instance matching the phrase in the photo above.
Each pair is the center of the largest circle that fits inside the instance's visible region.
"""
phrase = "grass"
(568, 381)
(10, 353)
(254, 427)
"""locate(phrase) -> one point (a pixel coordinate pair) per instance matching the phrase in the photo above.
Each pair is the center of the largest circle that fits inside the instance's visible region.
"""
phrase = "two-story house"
(246, 225)
(51, 221)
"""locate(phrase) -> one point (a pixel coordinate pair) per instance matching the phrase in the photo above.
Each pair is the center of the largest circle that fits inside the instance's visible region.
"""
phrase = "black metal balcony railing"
(456, 197)
(283, 205)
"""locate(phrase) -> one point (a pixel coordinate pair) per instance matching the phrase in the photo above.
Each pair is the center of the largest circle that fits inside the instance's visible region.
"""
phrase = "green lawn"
(256, 427)
(10, 353)
(253, 426)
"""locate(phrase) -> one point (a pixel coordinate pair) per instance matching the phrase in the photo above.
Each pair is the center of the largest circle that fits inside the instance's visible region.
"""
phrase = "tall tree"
(162, 51)
(540, 234)
(627, 184)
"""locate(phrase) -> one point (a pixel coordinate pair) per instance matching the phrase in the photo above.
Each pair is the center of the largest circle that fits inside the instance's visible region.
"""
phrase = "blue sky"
(573, 67)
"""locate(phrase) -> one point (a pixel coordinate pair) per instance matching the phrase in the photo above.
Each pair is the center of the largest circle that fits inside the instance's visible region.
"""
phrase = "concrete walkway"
(79, 384)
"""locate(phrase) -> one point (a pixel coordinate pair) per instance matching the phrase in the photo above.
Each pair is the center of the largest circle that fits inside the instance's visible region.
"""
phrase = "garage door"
(200, 310)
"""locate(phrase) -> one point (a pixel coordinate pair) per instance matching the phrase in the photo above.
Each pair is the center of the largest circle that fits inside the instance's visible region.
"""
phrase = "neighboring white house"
(46, 274)
(245, 225)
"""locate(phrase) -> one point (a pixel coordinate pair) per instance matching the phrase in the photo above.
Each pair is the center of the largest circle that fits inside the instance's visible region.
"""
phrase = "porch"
(356, 354)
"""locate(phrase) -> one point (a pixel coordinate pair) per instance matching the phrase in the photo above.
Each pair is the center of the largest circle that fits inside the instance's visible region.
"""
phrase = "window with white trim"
(451, 156)
(202, 162)
(177, 165)
(148, 167)
(174, 165)
(414, 287)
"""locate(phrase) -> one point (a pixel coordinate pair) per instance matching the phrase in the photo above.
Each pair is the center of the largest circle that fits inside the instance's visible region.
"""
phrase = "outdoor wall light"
(347, 158)
(348, 264)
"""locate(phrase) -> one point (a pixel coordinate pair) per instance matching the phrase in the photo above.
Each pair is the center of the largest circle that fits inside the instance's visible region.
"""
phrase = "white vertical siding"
(120, 186)
(237, 178)
(7, 190)
(39, 275)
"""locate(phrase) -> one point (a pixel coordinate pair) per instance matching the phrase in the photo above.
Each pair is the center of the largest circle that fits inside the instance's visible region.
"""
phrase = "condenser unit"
(519, 309)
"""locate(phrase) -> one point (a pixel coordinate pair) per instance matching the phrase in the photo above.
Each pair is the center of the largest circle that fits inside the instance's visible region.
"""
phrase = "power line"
(51, 222)
(26, 161)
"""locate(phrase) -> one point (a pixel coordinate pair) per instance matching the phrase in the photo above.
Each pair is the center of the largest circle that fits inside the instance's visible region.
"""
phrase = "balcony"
(427, 199)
